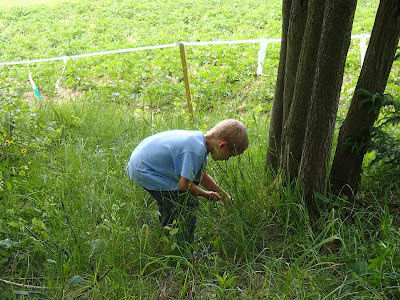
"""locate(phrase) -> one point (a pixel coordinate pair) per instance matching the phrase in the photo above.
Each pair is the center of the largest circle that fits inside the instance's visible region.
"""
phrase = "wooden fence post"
(186, 78)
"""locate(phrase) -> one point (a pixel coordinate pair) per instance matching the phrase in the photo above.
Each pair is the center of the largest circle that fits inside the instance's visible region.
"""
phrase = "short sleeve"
(192, 166)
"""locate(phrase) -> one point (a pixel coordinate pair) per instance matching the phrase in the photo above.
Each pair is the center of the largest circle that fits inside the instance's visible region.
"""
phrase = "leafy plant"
(225, 281)
(385, 145)
(377, 101)
(12, 113)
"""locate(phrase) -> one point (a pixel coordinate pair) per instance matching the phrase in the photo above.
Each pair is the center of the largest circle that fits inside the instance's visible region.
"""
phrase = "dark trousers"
(179, 206)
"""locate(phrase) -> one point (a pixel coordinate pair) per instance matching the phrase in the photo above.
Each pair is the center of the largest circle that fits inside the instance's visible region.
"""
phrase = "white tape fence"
(260, 59)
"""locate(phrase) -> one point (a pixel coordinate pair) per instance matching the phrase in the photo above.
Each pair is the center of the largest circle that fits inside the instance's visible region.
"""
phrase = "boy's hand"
(226, 198)
(213, 196)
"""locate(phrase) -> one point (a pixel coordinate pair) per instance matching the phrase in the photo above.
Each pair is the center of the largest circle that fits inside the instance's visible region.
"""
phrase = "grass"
(73, 223)
(6, 4)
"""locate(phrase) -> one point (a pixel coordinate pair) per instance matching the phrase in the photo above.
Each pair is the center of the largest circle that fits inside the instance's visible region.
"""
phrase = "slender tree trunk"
(346, 168)
(334, 45)
(297, 24)
(294, 129)
(275, 125)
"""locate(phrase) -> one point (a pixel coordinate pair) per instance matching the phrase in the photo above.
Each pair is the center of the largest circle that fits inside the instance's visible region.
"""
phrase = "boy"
(170, 165)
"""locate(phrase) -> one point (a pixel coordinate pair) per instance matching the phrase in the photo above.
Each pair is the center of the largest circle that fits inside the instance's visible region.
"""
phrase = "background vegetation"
(72, 223)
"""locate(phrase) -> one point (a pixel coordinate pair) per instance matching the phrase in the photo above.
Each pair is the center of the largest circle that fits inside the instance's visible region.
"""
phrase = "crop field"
(72, 224)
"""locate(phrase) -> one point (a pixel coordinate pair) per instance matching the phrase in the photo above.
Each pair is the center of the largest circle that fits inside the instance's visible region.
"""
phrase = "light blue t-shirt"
(159, 161)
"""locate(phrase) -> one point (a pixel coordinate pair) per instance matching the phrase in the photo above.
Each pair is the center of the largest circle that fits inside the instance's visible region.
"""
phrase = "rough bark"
(294, 130)
(347, 165)
(334, 45)
(275, 125)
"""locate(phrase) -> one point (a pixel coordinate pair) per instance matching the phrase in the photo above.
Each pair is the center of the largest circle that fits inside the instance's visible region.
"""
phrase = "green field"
(73, 224)
(31, 3)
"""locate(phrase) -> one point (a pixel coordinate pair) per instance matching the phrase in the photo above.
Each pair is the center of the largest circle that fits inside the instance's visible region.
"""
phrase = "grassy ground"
(73, 224)
(30, 3)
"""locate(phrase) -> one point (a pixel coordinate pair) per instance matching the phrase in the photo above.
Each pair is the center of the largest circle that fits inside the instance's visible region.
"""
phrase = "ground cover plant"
(72, 225)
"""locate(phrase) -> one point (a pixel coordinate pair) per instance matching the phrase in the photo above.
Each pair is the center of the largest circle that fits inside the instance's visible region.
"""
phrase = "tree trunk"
(346, 168)
(297, 24)
(294, 129)
(334, 44)
(275, 125)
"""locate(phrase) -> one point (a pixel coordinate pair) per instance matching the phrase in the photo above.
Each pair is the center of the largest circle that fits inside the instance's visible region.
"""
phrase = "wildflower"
(9, 142)
(23, 151)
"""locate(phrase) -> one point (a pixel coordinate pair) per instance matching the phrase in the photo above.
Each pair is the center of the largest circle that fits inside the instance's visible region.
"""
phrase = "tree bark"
(297, 24)
(334, 45)
(294, 129)
(275, 125)
(346, 169)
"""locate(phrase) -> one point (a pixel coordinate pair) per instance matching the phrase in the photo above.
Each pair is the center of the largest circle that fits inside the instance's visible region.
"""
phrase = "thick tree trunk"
(346, 168)
(334, 44)
(294, 129)
(275, 125)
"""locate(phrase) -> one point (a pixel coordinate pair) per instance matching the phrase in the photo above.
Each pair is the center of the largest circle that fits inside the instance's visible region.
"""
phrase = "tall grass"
(263, 246)
(74, 224)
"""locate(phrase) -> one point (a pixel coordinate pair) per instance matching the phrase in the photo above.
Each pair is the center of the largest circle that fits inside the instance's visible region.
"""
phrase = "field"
(72, 224)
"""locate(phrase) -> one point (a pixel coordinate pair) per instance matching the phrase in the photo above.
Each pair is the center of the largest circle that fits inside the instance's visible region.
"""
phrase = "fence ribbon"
(33, 83)
(62, 73)
(363, 47)
(261, 55)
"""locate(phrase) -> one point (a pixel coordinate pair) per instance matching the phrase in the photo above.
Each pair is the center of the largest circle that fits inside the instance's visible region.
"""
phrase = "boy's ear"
(222, 144)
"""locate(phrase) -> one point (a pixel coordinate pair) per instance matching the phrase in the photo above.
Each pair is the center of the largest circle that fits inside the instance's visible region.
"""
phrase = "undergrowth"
(75, 225)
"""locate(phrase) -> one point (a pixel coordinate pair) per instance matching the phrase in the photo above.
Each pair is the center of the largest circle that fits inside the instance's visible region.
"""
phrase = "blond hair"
(233, 132)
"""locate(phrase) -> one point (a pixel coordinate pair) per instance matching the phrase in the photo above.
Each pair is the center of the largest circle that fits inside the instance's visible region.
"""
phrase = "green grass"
(30, 3)
(86, 217)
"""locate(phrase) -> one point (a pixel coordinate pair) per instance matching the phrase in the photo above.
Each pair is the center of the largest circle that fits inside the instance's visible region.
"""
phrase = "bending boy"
(170, 165)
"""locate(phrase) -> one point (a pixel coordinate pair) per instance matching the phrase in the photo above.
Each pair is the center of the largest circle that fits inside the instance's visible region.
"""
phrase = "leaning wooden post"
(186, 78)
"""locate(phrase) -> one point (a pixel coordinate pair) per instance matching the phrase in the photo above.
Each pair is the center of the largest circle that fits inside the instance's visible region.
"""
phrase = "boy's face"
(222, 152)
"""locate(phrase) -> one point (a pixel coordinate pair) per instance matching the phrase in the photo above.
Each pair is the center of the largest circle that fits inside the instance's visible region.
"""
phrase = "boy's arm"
(209, 183)
(188, 186)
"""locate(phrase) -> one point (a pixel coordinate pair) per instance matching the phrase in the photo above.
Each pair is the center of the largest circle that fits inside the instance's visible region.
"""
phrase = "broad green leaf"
(75, 280)
(375, 263)
(360, 267)
(173, 231)
(374, 98)
(9, 186)
(31, 294)
(15, 224)
(51, 261)
(363, 92)
(229, 282)
(318, 195)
